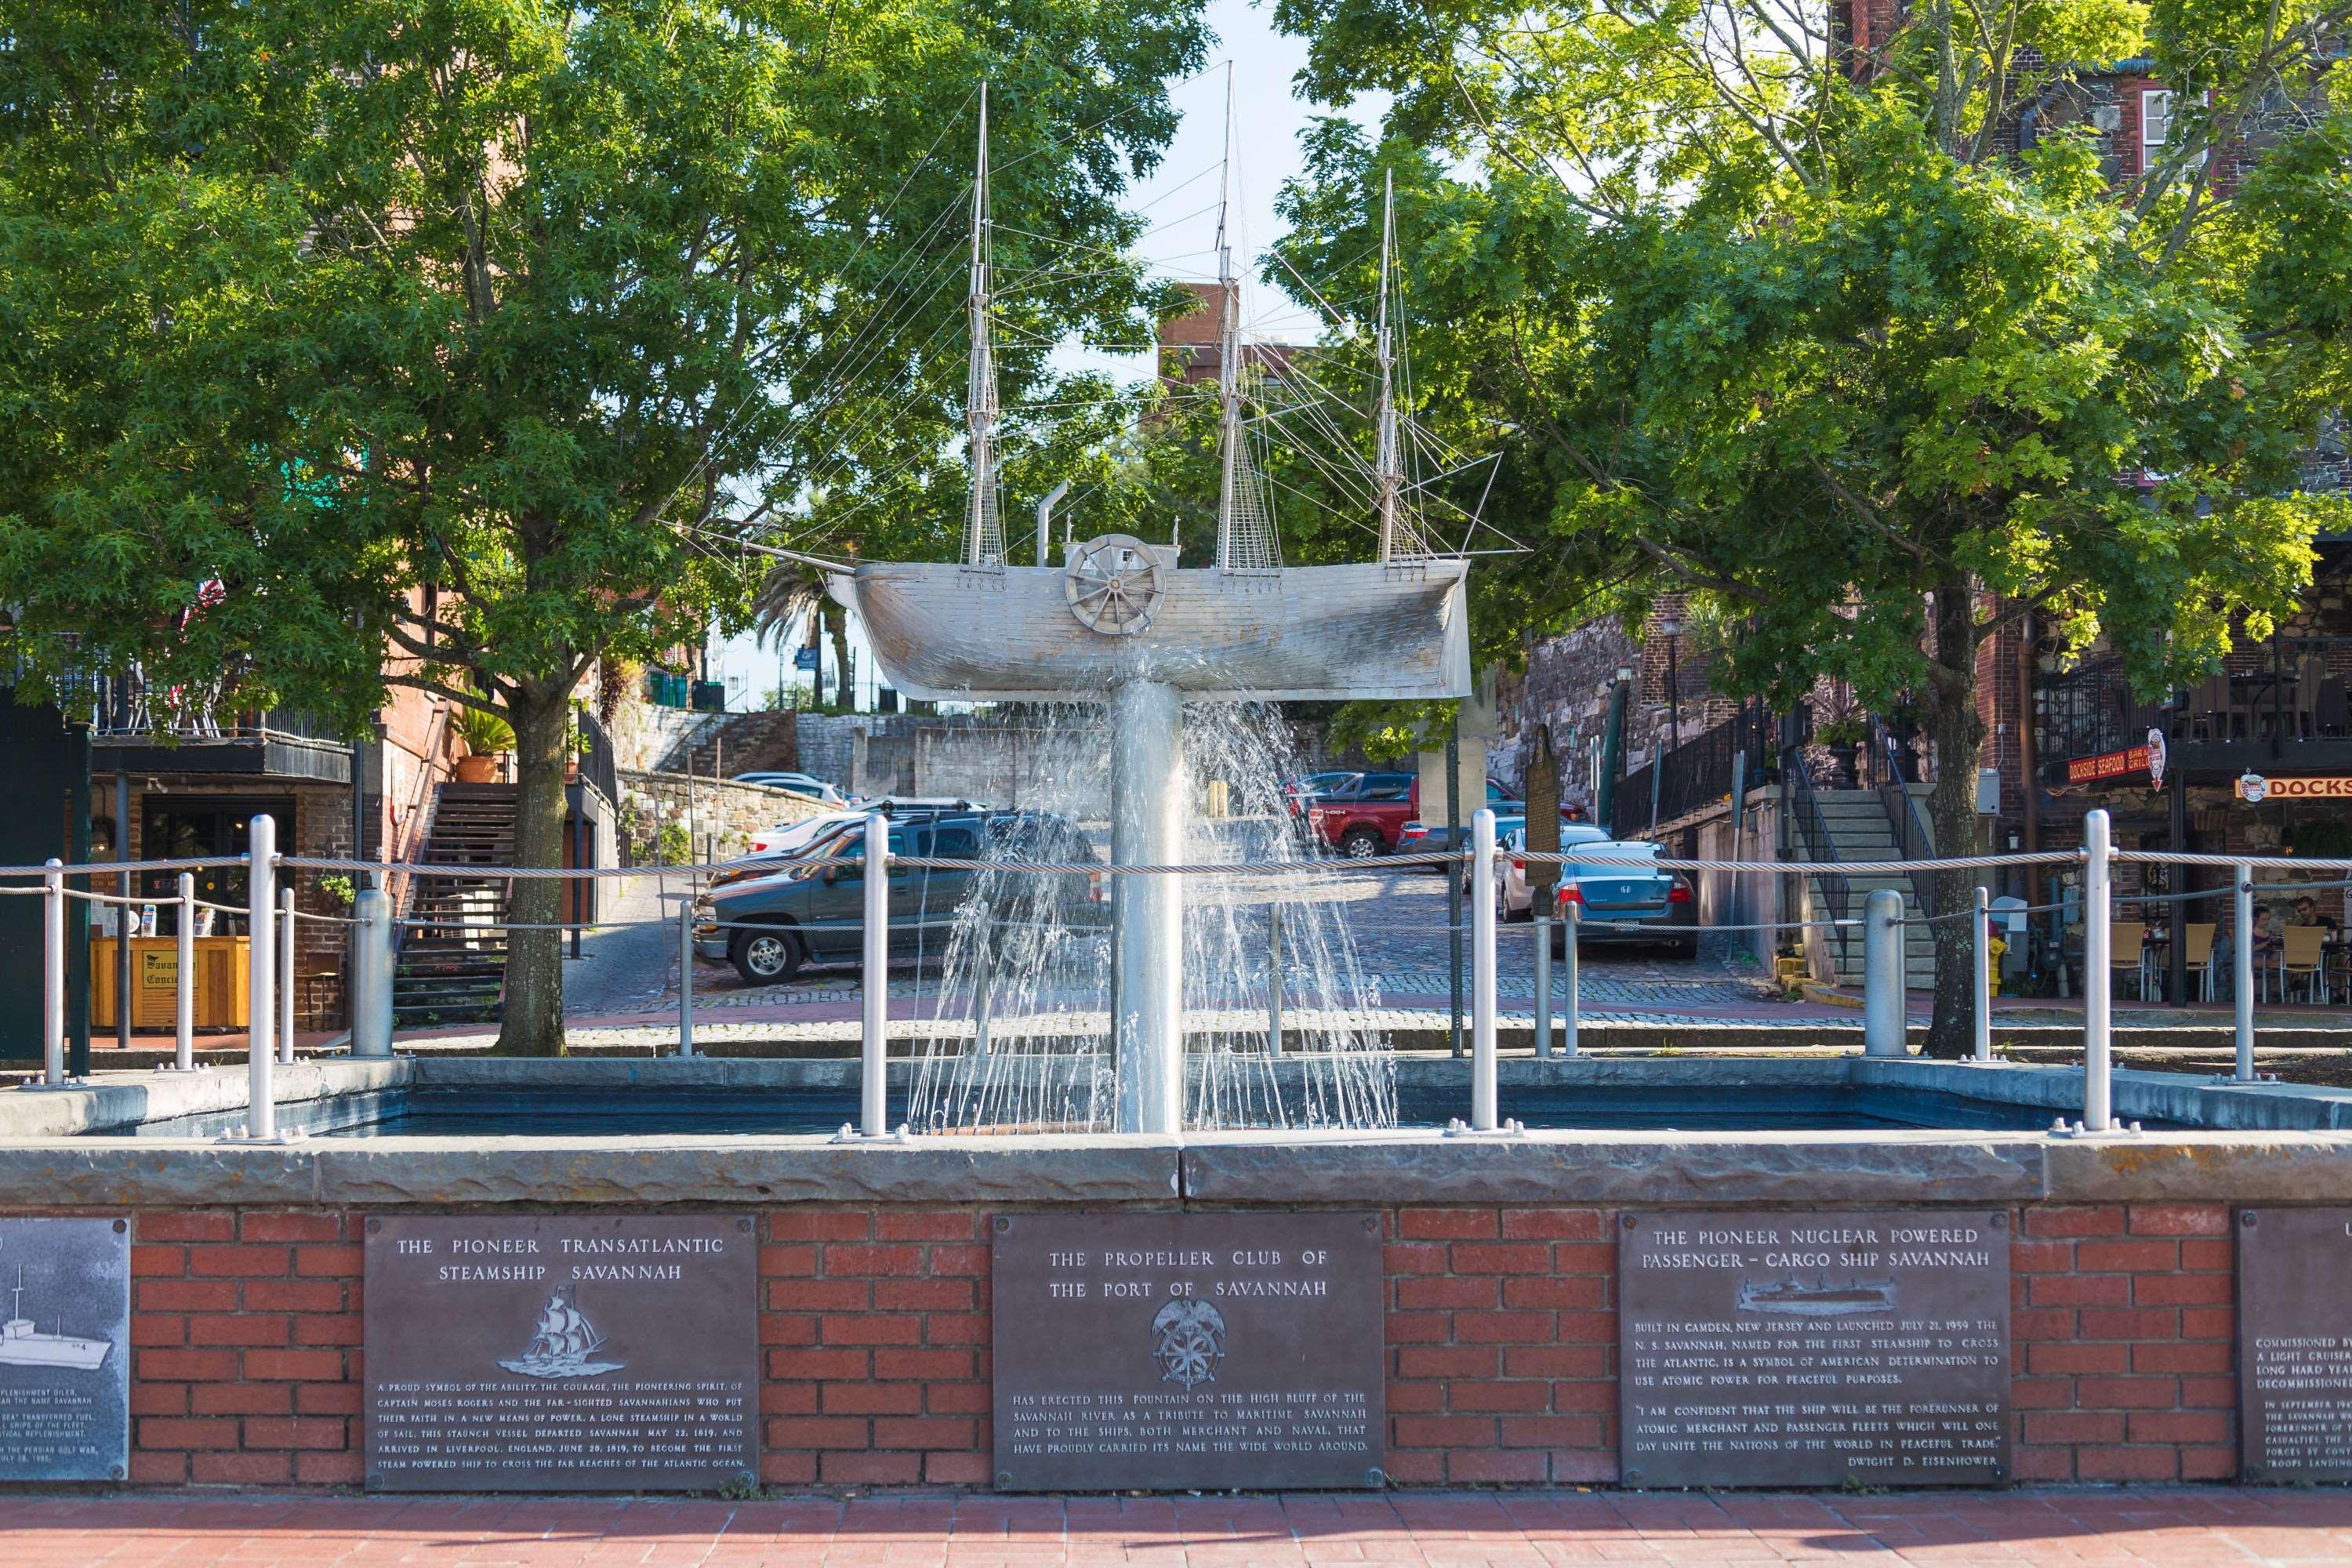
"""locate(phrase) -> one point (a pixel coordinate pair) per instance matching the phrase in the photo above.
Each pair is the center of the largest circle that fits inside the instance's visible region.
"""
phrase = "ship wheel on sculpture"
(1114, 583)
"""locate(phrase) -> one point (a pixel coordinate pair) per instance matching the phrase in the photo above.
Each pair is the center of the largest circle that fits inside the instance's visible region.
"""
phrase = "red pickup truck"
(1371, 821)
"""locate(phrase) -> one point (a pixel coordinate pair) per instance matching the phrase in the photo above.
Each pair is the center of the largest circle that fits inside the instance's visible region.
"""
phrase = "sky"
(1179, 199)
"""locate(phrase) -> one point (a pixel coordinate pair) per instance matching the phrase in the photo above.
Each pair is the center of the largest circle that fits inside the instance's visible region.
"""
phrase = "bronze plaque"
(2295, 1346)
(1813, 1349)
(65, 1349)
(1188, 1352)
(541, 1352)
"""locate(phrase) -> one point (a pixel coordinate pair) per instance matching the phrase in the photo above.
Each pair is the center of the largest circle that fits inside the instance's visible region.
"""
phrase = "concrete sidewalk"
(2169, 1528)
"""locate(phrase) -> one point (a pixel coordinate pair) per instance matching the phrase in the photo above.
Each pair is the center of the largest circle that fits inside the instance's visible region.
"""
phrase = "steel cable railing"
(271, 921)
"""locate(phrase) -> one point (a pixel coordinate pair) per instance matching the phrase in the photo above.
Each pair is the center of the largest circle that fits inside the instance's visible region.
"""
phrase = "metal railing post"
(1570, 928)
(874, 1085)
(183, 980)
(371, 979)
(2097, 977)
(260, 982)
(1884, 1030)
(53, 973)
(1543, 972)
(1983, 928)
(2242, 992)
(1274, 980)
(686, 974)
(982, 964)
(286, 976)
(1482, 970)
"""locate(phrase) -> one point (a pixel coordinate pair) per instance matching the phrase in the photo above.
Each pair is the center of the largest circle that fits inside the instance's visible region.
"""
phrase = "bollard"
(286, 976)
(2241, 994)
(686, 974)
(1883, 1021)
(874, 1086)
(260, 986)
(1574, 927)
(53, 973)
(183, 982)
(1482, 970)
(1543, 972)
(371, 970)
(2097, 977)
(1274, 980)
(1984, 973)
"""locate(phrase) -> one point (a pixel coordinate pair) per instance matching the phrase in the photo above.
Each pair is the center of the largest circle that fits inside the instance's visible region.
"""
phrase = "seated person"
(2307, 913)
(2225, 951)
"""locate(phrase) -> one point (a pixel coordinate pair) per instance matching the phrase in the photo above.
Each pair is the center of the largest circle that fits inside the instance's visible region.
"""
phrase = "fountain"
(1122, 623)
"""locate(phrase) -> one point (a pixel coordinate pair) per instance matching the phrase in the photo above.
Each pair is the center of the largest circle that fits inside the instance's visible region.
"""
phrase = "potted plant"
(1841, 735)
(486, 736)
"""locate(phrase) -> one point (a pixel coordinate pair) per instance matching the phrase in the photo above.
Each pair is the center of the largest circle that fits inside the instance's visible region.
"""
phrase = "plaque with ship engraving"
(65, 1349)
(2295, 1345)
(1198, 1352)
(561, 1353)
(1813, 1349)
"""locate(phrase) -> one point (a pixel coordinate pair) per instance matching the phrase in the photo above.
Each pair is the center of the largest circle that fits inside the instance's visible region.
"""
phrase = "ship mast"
(1386, 468)
(1245, 537)
(983, 534)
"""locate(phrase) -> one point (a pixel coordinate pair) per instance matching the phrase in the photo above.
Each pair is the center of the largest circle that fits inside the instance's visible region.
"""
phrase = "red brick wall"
(1501, 1346)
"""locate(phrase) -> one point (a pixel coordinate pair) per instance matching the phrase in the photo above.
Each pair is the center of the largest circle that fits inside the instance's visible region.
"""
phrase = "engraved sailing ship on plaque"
(562, 1344)
(22, 1344)
(1793, 1297)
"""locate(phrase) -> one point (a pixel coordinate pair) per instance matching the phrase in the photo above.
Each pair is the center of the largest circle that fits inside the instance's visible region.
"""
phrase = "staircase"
(740, 743)
(1856, 820)
(452, 970)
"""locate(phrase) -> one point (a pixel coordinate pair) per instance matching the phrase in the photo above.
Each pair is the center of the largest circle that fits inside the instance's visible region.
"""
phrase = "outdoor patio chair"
(2300, 954)
(2128, 950)
(2335, 710)
(2197, 953)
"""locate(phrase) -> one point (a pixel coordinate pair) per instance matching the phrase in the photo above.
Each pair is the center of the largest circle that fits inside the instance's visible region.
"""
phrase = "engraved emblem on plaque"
(1190, 1340)
(65, 1349)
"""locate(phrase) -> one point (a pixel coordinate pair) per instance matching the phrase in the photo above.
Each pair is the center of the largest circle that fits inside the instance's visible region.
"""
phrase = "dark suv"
(771, 927)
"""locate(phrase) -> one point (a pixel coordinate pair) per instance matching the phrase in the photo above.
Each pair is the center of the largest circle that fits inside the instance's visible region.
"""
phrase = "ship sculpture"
(1120, 622)
(21, 1344)
(564, 1342)
(1792, 1296)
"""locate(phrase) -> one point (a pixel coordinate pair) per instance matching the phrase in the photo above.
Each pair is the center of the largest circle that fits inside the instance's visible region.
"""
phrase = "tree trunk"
(1958, 733)
(837, 623)
(532, 1016)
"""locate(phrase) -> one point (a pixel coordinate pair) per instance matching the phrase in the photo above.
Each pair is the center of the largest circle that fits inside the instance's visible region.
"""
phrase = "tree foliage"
(529, 303)
(1822, 336)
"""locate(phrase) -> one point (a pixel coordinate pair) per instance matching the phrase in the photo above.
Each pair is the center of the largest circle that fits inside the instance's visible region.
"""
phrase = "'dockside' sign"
(2108, 766)
(2253, 788)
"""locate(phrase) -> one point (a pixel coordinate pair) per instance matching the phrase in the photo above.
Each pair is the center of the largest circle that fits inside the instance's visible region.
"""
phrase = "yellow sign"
(2253, 787)
(158, 971)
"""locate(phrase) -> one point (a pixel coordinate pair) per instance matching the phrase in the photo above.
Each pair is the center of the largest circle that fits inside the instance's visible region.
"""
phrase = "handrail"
(1912, 839)
(1821, 848)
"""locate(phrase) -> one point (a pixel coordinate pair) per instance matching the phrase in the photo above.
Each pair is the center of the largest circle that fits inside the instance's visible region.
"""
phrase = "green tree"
(1797, 331)
(537, 306)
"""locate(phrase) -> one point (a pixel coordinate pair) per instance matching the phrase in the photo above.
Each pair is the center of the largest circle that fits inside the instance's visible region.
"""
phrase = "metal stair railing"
(1912, 839)
(1820, 849)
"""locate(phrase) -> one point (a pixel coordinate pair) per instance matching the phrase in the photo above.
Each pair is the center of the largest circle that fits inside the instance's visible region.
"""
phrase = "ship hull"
(945, 633)
(81, 1355)
(560, 1366)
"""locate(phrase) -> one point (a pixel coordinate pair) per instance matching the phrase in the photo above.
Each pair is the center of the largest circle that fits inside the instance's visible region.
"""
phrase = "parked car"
(1639, 902)
(1298, 789)
(835, 833)
(1514, 900)
(799, 783)
(1370, 815)
(771, 927)
(1417, 835)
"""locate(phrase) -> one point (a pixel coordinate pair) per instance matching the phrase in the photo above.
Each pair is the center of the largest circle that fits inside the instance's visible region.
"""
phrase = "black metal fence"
(598, 768)
(1698, 773)
(1890, 767)
(2283, 690)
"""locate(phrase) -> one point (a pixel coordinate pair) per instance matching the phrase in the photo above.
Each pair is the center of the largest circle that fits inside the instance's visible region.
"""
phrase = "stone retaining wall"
(1501, 1325)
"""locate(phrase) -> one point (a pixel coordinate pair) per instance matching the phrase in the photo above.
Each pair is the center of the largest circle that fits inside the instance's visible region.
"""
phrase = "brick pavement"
(2160, 1528)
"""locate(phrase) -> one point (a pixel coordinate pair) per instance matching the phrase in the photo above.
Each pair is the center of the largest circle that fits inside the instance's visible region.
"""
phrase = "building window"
(2155, 117)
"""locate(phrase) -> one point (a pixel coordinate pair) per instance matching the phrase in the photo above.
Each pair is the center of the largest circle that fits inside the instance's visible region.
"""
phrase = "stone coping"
(2288, 1143)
